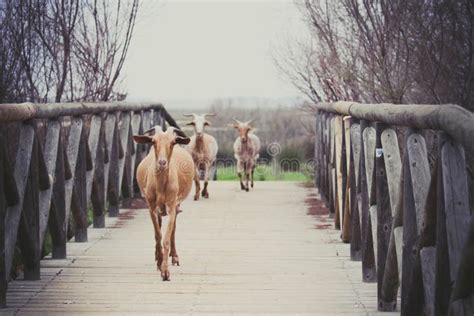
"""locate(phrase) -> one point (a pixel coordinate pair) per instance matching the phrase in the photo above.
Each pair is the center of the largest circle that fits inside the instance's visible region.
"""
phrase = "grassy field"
(262, 173)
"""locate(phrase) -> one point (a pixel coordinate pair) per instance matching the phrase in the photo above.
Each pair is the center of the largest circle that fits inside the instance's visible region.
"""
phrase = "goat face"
(163, 144)
(243, 129)
(199, 122)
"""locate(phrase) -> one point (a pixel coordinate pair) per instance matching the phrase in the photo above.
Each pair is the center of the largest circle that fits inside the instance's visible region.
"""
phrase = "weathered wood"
(13, 213)
(8, 197)
(453, 119)
(130, 169)
(356, 250)
(428, 268)
(57, 215)
(442, 279)
(345, 165)
(28, 232)
(456, 200)
(384, 221)
(124, 137)
(72, 151)
(98, 193)
(92, 145)
(50, 153)
(332, 162)
(393, 165)
(25, 111)
(113, 188)
(420, 174)
(368, 141)
(373, 231)
(339, 153)
(368, 257)
(412, 290)
(79, 196)
(356, 147)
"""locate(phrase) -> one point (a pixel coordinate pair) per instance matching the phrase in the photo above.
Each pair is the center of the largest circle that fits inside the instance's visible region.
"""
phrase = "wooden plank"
(20, 174)
(443, 283)
(110, 138)
(72, 151)
(420, 174)
(393, 165)
(412, 290)
(384, 223)
(8, 197)
(456, 200)
(124, 131)
(79, 196)
(92, 144)
(339, 152)
(57, 215)
(113, 188)
(368, 257)
(50, 153)
(356, 248)
(98, 193)
(368, 141)
(28, 232)
(356, 147)
(346, 166)
(373, 224)
(134, 129)
(428, 259)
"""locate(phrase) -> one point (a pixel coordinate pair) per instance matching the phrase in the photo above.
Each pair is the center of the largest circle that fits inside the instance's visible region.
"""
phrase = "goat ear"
(232, 125)
(190, 123)
(207, 123)
(143, 139)
(182, 140)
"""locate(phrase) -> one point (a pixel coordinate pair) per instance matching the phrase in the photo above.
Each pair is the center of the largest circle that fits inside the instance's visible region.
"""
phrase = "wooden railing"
(55, 161)
(398, 179)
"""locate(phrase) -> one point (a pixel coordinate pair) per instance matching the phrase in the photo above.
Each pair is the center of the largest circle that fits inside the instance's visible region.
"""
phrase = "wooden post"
(13, 214)
(416, 184)
(456, 206)
(79, 196)
(98, 183)
(113, 188)
(368, 258)
(345, 165)
(57, 214)
(384, 221)
(8, 197)
(356, 243)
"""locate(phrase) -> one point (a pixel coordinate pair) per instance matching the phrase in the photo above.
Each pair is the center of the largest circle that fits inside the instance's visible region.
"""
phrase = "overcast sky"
(210, 49)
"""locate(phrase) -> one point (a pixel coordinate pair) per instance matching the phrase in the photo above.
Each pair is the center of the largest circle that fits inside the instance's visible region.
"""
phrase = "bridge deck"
(256, 252)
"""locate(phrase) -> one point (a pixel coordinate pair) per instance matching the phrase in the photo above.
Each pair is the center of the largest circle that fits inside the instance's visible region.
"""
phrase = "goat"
(165, 178)
(246, 151)
(203, 148)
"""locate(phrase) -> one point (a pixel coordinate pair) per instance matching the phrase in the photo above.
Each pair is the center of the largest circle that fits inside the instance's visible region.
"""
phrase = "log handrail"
(56, 160)
(397, 180)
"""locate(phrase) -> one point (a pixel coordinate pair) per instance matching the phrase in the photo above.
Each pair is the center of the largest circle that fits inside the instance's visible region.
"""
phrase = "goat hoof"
(205, 195)
(196, 197)
(165, 275)
(175, 261)
(247, 189)
(251, 185)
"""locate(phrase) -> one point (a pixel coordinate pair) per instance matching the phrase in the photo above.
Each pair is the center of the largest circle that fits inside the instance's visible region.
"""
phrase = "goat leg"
(156, 220)
(197, 184)
(204, 193)
(165, 273)
(174, 254)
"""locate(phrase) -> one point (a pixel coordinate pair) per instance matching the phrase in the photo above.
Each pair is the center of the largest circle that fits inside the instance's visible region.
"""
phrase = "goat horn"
(237, 121)
(210, 114)
(157, 129)
(248, 122)
(188, 115)
(177, 131)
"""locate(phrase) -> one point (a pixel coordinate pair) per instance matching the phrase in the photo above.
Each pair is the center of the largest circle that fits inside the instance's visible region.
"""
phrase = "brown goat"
(165, 178)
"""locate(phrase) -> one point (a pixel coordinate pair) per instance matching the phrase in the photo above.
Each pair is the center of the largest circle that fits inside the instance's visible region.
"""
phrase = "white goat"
(203, 148)
(246, 151)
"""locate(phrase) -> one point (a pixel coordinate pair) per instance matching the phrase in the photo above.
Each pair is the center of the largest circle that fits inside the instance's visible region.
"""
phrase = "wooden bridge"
(394, 180)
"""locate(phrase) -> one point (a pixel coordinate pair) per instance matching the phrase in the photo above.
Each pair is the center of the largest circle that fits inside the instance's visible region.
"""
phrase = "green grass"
(262, 173)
